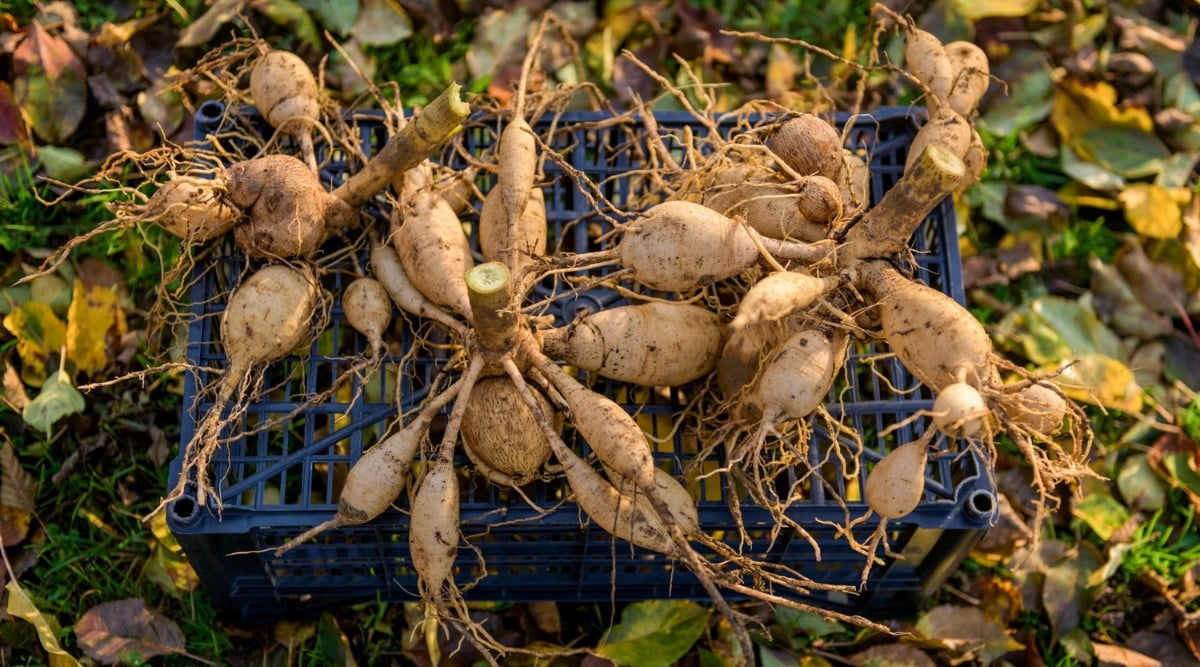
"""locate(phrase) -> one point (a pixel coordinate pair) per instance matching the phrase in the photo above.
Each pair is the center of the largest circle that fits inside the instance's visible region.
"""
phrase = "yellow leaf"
(980, 9)
(21, 606)
(93, 313)
(1151, 210)
(40, 335)
(1080, 107)
(1100, 380)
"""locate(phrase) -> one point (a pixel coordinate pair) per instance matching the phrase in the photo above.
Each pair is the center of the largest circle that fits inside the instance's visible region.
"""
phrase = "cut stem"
(421, 136)
(886, 229)
(489, 287)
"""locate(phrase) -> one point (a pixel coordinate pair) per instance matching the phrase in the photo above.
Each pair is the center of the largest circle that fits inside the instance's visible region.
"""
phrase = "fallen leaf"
(1117, 304)
(21, 606)
(1139, 485)
(205, 28)
(13, 393)
(781, 72)
(499, 39)
(49, 84)
(1151, 210)
(973, 10)
(1029, 101)
(57, 399)
(1065, 591)
(345, 79)
(1034, 207)
(546, 616)
(1081, 106)
(170, 571)
(382, 22)
(95, 315)
(13, 130)
(292, 634)
(1108, 655)
(338, 17)
(288, 14)
(967, 632)
(52, 290)
(1101, 380)
(40, 335)
(127, 631)
(161, 107)
(333, 645)
(1163, 646)
(64, 164)
(654, 633)
(1127, 151)
(18, 491)
(892, 655)
(1101, 512)
(1087, 172)
(1051, 329)
(1175, 456)
(1189, 633)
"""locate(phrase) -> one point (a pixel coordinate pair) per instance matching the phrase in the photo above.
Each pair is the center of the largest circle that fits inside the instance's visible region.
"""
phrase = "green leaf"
(1140, 486)
(1101, 512)
(292, 16)
(1051, 329)
(1087, 172)
(654, 633)
(1029, 101)
(1127, 151)
(161, 107)
(58, 398)
(1060, 596)
(49, 84)
(332, 643)
(338, 17)
(64, 164)
(382, 22)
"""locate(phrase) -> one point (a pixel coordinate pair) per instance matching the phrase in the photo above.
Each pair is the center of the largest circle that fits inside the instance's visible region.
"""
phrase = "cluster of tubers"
(757, 271)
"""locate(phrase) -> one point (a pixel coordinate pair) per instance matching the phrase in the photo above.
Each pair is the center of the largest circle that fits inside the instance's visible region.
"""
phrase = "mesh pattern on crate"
(274, 482)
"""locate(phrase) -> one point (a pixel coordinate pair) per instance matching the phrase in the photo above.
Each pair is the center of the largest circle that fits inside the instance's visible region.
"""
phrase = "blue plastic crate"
(275, 482)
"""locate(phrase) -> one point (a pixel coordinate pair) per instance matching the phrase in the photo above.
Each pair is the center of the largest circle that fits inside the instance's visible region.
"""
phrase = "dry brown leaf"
(18, 491)
(124, 630)
(1109, 655)
(546, 616)
(892, 655)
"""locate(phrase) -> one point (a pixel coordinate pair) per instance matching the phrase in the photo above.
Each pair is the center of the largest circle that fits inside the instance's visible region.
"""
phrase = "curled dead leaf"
(127, 630)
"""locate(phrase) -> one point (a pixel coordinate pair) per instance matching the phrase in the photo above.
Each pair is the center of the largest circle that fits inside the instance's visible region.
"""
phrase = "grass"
(817, 23)
(422, 68)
